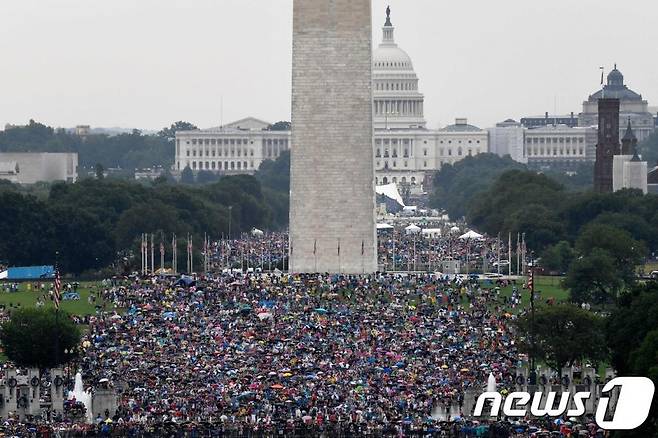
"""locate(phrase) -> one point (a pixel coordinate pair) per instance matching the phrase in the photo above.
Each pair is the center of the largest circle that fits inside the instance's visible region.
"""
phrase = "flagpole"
(509, 254)
(498, 253)
(518, 253)
(523, 254)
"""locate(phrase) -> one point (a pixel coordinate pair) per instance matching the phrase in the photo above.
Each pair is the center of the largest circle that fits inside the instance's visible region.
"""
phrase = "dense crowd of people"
(398, 250)
(272, 354)
(402, 251)
(256, 251)
(260, 351)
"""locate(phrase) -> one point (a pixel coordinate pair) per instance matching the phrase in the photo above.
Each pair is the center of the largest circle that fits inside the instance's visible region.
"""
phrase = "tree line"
(127, 151)
(94, 223)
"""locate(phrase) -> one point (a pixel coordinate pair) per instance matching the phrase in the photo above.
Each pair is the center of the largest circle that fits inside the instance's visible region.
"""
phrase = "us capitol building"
(406, 151)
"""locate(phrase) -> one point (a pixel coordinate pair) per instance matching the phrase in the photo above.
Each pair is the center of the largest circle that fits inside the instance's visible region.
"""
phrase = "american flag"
(57, 297)
(531, 280)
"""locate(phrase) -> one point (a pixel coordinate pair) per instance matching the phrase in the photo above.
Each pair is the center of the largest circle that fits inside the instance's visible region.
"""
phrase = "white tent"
(256, 232)
(455, 229)
(412, 229)
(390, 191)
(471, 235)
(432, 232)
(384, 227)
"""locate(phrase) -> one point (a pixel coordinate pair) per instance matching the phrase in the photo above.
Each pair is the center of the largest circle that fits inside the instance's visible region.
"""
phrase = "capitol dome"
(388, 56)
(397, 101)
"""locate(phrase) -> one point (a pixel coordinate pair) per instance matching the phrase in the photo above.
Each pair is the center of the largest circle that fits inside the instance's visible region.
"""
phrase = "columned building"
(560, 145)
(237, 148)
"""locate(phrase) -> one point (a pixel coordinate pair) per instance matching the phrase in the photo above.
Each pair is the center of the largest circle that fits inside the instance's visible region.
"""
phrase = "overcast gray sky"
(147, 63)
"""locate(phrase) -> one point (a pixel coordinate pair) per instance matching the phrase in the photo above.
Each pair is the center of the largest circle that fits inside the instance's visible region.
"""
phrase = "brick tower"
(608, 144)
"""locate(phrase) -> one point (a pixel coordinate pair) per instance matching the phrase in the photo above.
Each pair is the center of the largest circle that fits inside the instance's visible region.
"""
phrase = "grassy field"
(27, 296)
(545, 287)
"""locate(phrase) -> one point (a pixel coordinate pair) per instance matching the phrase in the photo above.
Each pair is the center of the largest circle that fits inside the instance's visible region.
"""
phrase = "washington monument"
(332, 202)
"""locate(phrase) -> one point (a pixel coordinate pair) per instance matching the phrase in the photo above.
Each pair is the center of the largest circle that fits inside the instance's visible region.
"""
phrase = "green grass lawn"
(27, 296)
(545, 288)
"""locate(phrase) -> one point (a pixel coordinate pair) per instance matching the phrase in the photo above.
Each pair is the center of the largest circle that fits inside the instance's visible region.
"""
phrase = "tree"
(170, 133)
(563, 334)
(649, 148)
(206, 177)
(632, 338)
(186, 176)
(626, 251)
(456, 185)
(520, 201)
(100, 171)
(276, 174)
(558, 257)
(38, 337)
(280, 126)
(593, 278)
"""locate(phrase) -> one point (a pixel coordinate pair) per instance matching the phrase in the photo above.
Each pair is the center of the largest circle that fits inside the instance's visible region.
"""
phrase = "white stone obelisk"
(332, 202)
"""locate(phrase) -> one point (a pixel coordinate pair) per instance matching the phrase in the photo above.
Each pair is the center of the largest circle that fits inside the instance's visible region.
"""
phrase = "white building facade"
(236, 148)
(34, 167)
(508, 138)
(560, 144)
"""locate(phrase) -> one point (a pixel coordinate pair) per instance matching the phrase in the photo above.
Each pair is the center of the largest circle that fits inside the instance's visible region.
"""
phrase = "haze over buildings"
(175, 60)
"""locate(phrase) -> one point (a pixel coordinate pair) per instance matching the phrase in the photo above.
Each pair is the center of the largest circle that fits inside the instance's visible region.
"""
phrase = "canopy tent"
(432, 232)
(390, 191)
(28, 273)
(455, 229)
(384, 227)
(412, 229)
(471, 235)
